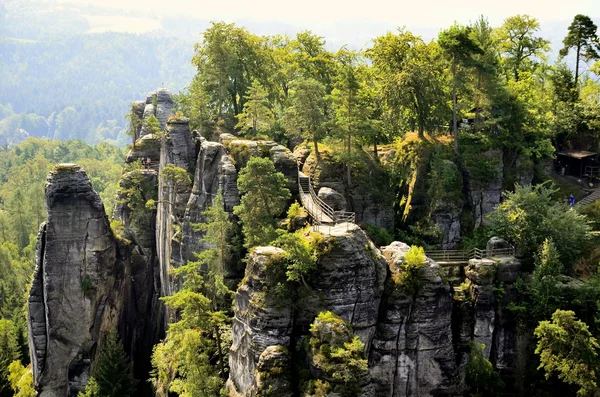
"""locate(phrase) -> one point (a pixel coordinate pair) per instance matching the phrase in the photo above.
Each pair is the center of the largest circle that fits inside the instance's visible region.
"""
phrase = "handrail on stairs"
(322, 208)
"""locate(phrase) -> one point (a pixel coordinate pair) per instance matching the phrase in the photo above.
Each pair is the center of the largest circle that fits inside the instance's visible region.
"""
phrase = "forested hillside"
(61, 82)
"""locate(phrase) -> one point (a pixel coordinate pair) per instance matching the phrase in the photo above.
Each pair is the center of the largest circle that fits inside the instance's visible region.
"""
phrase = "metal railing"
(463, 256)
(319, 210)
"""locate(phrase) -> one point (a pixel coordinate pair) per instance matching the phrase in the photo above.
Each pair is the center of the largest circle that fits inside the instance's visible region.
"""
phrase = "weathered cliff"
(412, 352)
(348, 282)
(416, 341)
(72, 299)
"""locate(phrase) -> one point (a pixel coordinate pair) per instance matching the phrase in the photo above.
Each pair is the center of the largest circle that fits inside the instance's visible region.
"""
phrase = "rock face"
(485, 196)
(334, 199)
(163, 99)
(257, 328)
(412, 352)
(70, 302)
(349, 283)
(410, 336)
(214, 171)
(240, 151)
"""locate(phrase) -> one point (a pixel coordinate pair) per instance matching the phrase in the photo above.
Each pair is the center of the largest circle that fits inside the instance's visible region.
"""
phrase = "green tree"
(152, 126)
(544, 290)
(256, 115)
(409, 276)
(91, 389)
(519, 45)
(196, 104)
(183, 361)
(112, 371)
(306, 116)
(412, 77)
(529, 215)
(264, 197)
(313, 60)
(567, 348)
(583, 37)
(459, 48)
(350, 115)
(300, 255)
(9, 352)
(21, 380)
(480, 376)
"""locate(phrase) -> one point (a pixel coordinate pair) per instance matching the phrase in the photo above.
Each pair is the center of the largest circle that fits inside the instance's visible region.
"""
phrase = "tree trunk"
(317, 149)
(421, 131)
(454, 121)
(220, 98)
(577, 64)
(220, 352)
(348, 168)
(375, 151)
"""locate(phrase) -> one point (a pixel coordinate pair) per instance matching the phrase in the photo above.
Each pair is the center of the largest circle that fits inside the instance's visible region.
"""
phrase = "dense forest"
(475, 89)
(60, 82)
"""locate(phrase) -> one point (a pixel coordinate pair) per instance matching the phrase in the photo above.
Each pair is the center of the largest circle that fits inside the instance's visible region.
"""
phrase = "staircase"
(590, 198)
(320, 212)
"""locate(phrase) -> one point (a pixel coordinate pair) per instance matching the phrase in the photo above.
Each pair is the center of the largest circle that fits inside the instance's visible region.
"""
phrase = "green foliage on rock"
(480, 376)
(264, 196)
(337, 356)
(409, 277)
(567, 348)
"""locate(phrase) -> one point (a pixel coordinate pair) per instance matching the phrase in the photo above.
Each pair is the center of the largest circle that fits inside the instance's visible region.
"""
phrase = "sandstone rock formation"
(412, 352)
(72, 298)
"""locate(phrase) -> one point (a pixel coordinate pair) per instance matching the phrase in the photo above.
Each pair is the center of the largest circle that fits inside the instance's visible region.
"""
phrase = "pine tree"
(112, 372)
(256, 115)
(583, 37)
(264, 198)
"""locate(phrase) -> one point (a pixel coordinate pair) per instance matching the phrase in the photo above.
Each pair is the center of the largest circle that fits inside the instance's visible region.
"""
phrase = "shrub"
(480, 376)
(379, 235)
(409, 275)
(337, 354)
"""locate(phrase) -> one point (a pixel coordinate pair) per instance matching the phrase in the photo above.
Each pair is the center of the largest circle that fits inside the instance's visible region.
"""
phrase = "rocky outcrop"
(260, 327)
(71, 300)
(332, 198)
(484, 196)
(240, 150)
(412, 352)
(214, 172)
(349, 283)
(146, 147)
(163, 99)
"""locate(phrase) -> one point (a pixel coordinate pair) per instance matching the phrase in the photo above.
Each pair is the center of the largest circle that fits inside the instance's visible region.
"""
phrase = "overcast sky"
(401, 12)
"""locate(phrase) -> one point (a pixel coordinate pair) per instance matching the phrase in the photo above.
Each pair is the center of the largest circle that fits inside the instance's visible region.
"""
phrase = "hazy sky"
(401, 12)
